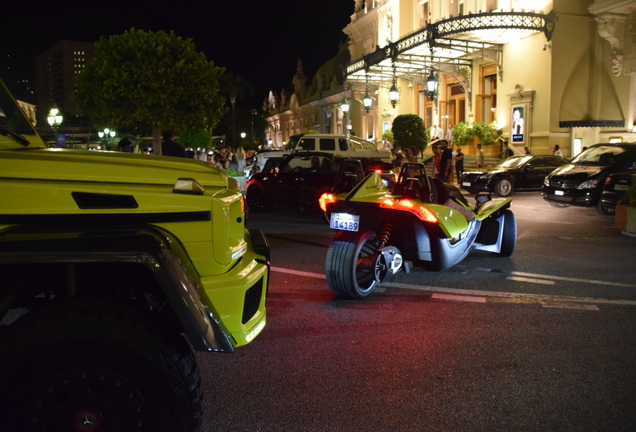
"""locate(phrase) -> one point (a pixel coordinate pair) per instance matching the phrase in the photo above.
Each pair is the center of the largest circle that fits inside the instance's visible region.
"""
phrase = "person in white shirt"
(557, 151)
(449, 135)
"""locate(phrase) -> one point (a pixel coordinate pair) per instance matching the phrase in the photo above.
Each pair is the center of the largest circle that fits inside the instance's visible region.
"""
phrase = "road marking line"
(459, 298)
(563, 223)
(589, 307)
(524, 279)
(568, 279)
(478, 293)
(299, 273)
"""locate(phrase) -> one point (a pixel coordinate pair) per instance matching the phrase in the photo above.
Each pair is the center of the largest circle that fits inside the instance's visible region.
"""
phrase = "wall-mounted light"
(345, 106)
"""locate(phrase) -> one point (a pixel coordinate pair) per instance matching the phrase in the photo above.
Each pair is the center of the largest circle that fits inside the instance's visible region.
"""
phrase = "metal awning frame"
(431, 49)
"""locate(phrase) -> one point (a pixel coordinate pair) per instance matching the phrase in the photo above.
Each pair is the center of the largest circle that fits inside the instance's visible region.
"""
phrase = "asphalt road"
(542, 341)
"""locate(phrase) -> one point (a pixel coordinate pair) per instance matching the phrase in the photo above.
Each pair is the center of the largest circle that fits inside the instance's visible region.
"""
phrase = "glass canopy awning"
(448, 46)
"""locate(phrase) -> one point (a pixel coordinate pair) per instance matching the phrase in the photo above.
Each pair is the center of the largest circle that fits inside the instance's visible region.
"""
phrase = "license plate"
(621, 187)
(466, 184)
(558, 192)
(344, 221)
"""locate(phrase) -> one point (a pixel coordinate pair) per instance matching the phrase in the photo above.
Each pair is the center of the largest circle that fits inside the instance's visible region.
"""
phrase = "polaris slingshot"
(419, 222)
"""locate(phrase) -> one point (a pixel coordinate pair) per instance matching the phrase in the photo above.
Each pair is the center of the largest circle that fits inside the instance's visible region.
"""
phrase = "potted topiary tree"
(409, 131)
(625, 219)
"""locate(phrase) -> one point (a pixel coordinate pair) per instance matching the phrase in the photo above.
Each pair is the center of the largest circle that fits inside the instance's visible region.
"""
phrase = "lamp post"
(54, 119)
(105, 135)
(254, 112)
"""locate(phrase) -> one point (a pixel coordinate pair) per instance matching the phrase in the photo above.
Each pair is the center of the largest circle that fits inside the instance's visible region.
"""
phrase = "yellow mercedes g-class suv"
(112, 266)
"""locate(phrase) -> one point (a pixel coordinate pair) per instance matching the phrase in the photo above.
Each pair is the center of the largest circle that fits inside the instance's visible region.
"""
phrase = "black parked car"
(294, 183)
(523, 172)
(581, 181)
(614, 190)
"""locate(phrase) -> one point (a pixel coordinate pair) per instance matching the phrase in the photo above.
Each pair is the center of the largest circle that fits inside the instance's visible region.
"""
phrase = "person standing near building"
(557, 151)
(459, 164)
(449, 136)
(526, 150)
(445, 162)
(507, 150)
(481, 158)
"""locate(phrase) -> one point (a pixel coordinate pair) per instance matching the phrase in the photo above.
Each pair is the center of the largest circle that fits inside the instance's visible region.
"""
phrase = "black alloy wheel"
(504, 187)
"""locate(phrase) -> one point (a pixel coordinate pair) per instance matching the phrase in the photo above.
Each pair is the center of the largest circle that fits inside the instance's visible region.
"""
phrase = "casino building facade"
(548, 73)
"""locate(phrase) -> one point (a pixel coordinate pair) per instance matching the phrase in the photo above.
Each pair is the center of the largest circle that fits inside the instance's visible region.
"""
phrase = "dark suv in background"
(581, 181)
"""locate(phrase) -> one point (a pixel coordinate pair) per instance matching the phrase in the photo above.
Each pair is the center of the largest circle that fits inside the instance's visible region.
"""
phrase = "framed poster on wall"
(518, 132)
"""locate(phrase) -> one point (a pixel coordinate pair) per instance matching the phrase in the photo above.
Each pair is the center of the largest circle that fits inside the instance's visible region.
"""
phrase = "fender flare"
(152, 247)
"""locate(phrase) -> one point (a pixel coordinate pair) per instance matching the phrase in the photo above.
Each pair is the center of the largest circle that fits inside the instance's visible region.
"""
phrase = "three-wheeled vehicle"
(418, 222)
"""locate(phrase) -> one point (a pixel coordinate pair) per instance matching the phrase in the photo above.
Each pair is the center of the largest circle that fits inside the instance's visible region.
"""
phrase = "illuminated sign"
(518, 125)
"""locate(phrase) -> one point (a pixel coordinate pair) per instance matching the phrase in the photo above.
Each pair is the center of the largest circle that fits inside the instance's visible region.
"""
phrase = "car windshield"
(12, 119)
(599, 155)
(293, 140)
(513, 162)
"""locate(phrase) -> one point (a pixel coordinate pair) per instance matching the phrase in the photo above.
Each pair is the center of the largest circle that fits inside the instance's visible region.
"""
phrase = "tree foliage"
(409, 131)
(150, 79)
(197, 138)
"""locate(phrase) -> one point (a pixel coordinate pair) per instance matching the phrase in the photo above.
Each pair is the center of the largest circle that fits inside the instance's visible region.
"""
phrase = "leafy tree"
(235, 87)
(409, 130)
(150, 79)
(197, 138)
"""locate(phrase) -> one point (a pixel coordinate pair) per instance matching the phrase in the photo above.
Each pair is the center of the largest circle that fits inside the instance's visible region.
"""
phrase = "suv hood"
(577, 171)
(111, 167)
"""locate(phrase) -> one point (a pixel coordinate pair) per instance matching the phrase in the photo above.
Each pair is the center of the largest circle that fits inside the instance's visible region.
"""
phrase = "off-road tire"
(509, 236)
(344, 276)
(87, 364)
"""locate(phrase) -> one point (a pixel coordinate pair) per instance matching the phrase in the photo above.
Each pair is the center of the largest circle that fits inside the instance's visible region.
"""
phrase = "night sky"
(260, 40)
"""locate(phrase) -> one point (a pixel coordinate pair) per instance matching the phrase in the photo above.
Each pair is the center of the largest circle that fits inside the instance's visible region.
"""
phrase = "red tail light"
(423, 213)
(325, 200)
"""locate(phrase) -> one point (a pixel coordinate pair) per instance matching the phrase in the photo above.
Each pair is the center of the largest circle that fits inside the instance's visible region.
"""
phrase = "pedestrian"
(449, 136)
(507, 150)
(526, 150)
(481, 158)
(557, 151)
(437, 161)
(171, 148)
(459, 164)
(124, 145)
(240, 159)
(445, 162)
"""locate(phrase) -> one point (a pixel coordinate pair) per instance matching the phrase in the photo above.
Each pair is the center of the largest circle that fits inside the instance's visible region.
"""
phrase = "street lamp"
(243, 135)
(105, 135)
(431, 85)
(394, 94)
(55, 118)
(367, 101)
